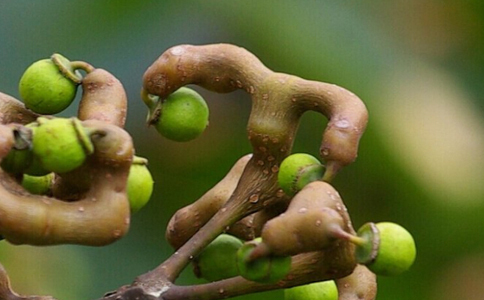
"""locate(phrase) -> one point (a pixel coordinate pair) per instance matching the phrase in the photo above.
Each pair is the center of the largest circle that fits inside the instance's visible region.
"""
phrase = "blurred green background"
(418, 65)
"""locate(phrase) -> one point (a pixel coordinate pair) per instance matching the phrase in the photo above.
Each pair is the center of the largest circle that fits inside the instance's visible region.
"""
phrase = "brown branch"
(278, 101)
(103, 98)
(360, 285)
(189, 219)
(14, 111)
(99, 218)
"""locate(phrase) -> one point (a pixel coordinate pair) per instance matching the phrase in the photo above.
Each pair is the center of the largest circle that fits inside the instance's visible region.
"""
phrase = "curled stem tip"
(66, 68)
(150, 100)
(82, 65)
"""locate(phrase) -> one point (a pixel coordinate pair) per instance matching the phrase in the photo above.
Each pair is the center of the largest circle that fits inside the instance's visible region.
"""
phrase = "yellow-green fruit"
(183, 116)
(44, 89)
(268, 269)
(219, 259)
(38, 185)
(140, 184)
(389, 249)
(61, 145)
(324, 290)
(297, 170)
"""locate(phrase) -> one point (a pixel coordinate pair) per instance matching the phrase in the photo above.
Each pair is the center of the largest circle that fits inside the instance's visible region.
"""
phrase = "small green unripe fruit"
(324, 290)
(297, 170)
(61, 145)
(140, 184)
(17, 161)
(389, 249)
(183, 115)
(268, 269)
(35, 168)
(38, 185)
(44, 89)
(219, 259)
(20, 155)
(20, 159)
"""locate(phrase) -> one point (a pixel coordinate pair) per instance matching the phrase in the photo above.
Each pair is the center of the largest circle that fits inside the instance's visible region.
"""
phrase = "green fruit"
(219, 259)
(140, 184)
(388, 248)
(44, 89)
(17, 161)
(20, 155)
(324, 290)
(268, 269)
(38, 185)
(35, 168)
(297, 170)
(20, 158)
(183, 116)
(61, 145)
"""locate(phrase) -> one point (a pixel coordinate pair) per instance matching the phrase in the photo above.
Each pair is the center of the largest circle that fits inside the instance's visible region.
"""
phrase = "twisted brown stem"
(99, 217)
(103, 98)
(278, 101)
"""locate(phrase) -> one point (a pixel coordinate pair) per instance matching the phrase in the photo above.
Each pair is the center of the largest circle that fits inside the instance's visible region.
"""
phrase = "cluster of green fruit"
(385, 248)
(227, 256)
(53, 146)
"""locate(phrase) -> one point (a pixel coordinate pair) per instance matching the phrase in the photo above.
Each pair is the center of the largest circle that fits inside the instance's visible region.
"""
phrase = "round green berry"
(324, 290)
(183, 115)
(38, 185)
(44, 89)
(268, 269)
(61, 145)
(297, 170)
(20, 158)
(17, 160)
(140, 184)
(219, 259)
(35, 168)
(388, 248)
